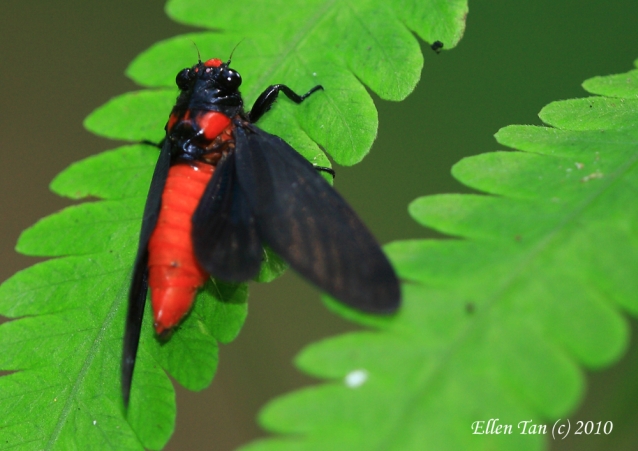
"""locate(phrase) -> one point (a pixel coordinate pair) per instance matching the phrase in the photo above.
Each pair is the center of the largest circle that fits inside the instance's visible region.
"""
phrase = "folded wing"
(224, 235)
(139, 282)
(303, 219)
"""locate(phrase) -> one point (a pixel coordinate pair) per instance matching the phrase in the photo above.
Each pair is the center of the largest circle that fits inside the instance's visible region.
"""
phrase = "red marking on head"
(215, 62)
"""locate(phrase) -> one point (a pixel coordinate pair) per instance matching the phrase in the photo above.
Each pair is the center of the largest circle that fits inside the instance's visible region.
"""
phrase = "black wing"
(224, 235)
(139, 282)
(303, 219)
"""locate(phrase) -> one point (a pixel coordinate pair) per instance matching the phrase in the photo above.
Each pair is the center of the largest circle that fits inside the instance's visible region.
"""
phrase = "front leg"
(268, 97)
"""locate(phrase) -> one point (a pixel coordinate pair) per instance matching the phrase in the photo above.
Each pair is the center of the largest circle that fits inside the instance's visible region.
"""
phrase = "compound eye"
(230, 79)
(183, 79)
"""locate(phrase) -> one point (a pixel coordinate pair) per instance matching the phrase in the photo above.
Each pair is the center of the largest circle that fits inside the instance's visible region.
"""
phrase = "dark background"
(62, 59)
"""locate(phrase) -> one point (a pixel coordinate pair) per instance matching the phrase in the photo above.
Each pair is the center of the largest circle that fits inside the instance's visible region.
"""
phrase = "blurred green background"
(61, 59)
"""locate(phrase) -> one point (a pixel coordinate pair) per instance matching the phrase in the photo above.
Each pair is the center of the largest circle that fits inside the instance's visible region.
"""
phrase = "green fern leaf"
(497, 323)
(64, 344)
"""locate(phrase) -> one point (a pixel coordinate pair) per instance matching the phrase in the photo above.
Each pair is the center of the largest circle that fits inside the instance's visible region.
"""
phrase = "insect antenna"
(199, 57)
(233, 51)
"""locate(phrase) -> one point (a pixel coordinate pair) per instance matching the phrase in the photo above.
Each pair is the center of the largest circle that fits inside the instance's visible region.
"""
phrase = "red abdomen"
(174, 274)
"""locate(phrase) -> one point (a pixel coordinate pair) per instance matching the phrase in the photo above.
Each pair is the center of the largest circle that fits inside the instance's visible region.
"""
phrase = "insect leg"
(159, 145)
(327, 170)
(268, 97)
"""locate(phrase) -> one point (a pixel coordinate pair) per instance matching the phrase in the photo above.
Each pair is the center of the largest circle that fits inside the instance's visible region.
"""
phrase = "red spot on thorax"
(175, 117)
(172, 120)
(215, 62)
(174, 273)
(212, 124)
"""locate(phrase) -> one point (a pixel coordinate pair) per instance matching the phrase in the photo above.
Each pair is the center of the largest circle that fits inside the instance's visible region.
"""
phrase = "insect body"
(221, 190)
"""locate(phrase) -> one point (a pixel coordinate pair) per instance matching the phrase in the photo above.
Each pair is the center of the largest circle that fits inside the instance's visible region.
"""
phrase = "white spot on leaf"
(356, 378)
(593, 175)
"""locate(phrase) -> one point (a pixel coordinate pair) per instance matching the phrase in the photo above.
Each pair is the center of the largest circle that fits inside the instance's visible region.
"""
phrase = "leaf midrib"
(482, 314)
(304, 30)
(93, 352)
